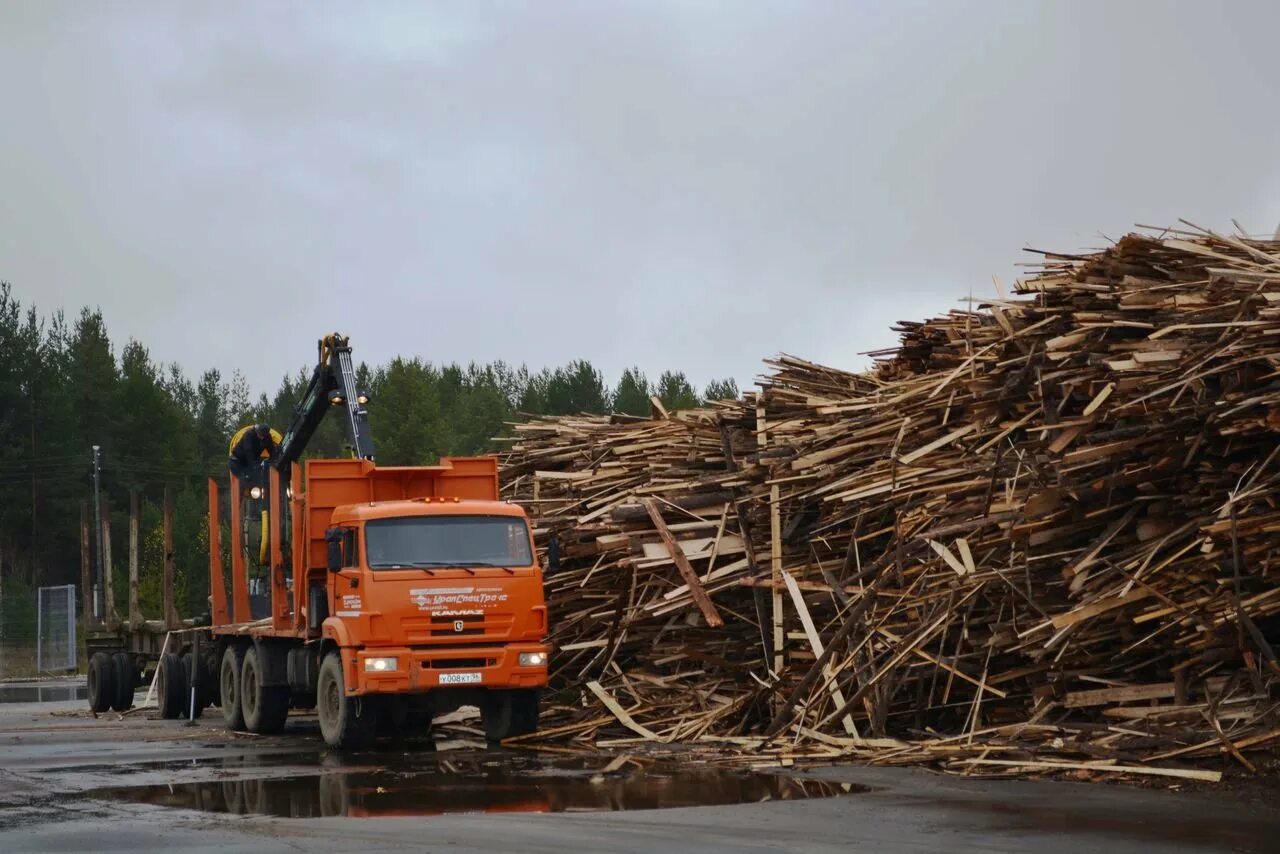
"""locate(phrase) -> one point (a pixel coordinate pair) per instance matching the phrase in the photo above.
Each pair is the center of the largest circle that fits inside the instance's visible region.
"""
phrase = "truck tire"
(126, 673)
(229, 686)
(171, 686)
(345, 722)
(102, 682)
(188, 667)
(264, 707)
(506, 714)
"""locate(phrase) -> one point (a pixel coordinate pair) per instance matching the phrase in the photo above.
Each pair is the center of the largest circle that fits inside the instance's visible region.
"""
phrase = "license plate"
(459, 678)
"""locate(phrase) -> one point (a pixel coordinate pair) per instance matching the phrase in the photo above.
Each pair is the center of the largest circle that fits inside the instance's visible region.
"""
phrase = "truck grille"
(455, 663)
(469, 626)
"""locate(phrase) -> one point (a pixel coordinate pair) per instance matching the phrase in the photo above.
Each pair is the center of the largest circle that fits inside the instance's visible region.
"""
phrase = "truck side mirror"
(333, 538)
(553, 554)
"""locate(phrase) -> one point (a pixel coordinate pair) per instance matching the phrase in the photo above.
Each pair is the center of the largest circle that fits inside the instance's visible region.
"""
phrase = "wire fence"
(38, 631)
(56, 629)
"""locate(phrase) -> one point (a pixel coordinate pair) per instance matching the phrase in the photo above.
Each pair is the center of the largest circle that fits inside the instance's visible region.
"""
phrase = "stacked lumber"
(1039, 532)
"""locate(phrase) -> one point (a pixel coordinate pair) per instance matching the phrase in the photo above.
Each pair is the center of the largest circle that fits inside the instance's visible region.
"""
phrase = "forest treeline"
(66, 387)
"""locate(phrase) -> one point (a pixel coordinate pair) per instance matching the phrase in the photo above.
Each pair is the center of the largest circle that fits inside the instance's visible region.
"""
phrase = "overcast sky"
(690, 185)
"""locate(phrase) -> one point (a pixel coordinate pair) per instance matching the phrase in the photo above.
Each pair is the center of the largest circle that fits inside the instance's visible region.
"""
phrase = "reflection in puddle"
(495, 784)
(27, 693)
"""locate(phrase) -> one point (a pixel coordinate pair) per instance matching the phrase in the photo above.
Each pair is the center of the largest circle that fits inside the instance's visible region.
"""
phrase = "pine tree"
(408, 430)
(577, 387)
(721, 390)
(632, 394)
(676, 392)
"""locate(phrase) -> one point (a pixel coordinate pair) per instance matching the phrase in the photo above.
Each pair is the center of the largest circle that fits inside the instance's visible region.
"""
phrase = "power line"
(54, 462)
(60, 478)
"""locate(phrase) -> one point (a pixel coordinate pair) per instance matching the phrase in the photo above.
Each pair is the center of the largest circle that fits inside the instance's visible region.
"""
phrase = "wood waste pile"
(1038, 536)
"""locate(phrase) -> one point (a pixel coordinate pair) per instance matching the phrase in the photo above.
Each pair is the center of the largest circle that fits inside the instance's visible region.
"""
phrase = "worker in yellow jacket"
(249, 446)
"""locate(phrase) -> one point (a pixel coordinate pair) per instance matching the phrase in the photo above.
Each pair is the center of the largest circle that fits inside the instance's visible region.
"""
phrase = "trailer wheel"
(229, 686)
(265, 707)
(171, 686)
(125, 671)
(345, 722)
(102, 682)
(188, 667)
(506, 714)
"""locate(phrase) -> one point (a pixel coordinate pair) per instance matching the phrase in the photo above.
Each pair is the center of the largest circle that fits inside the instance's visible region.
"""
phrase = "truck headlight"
(533, 659)
(381, 665)
(255, 492)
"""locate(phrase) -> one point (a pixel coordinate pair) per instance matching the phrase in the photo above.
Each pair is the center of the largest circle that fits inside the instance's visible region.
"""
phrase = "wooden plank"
(1099, 399)
(700, 598)
(1125, 694)
(170, 610)
(217, 580)
(1179, 773)
(620, 713)
(775, 573)
(946, 555)
(957, 433)
(135, 613)
(1088, 612)
(109, 615)
(815, 642)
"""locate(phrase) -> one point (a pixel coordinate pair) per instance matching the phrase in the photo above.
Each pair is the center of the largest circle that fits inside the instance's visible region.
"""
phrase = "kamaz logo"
(458, 625)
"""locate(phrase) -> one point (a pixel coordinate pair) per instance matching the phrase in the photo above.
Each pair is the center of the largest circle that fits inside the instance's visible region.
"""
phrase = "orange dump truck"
(389, 596)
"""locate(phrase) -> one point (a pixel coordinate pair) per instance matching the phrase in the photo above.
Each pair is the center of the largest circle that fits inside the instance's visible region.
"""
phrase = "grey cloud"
(690, 185)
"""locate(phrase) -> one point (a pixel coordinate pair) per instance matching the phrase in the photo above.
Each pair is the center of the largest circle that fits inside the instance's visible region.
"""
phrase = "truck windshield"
(447, 541)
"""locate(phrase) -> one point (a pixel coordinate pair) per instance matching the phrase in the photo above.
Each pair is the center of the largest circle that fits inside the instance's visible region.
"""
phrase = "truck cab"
(425, 589)
(435, 593)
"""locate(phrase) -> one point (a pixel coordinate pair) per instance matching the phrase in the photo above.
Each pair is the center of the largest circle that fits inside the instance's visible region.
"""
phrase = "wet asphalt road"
(72, 783)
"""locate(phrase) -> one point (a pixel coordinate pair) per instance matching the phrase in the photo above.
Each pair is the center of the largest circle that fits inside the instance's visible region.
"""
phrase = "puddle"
(422, 786)
(42, 693)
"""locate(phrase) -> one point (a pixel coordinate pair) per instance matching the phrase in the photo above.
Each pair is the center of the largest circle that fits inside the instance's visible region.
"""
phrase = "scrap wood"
(1025, 524)
(1180, 773)
(620, 713)
(682, 563)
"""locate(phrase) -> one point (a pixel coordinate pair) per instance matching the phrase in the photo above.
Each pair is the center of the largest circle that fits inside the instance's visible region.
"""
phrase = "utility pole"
(97, 526)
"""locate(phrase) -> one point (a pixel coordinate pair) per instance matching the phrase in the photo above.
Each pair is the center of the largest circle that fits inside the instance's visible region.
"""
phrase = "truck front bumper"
(430, 668)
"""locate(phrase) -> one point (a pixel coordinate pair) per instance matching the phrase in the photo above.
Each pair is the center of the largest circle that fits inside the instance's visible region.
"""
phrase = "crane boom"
(333, 385)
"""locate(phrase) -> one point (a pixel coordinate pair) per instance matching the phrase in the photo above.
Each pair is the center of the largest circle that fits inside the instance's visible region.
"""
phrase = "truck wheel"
(344, 721)
(188, 667)
(506, 714)
(102, 682)
(265, 707)
(229, 686)
(171, 686)
(126, 673)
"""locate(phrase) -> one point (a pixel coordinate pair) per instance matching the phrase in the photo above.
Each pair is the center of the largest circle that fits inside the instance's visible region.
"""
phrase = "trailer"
(123, 652)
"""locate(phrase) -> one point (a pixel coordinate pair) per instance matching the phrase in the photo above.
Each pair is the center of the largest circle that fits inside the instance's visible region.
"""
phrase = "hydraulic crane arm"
(332, 386)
